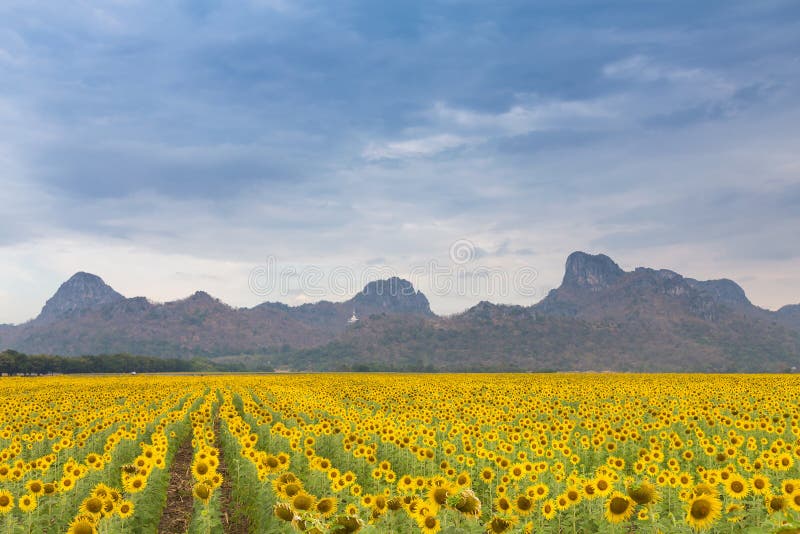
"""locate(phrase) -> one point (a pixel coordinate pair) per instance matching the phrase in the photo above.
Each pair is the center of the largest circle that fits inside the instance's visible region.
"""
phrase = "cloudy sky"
(182, 145)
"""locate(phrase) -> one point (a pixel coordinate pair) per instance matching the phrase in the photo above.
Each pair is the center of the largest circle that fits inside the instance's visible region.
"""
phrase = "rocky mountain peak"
(592, 272)
(82, 292)
(394, 295)
(723, 290)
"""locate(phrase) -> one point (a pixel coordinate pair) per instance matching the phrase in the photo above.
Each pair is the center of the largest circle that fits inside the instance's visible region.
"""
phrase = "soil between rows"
(180, 502)
(234, 520)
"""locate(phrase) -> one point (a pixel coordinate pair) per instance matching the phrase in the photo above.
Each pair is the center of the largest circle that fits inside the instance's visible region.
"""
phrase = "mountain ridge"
(600, 318)
(86, 316)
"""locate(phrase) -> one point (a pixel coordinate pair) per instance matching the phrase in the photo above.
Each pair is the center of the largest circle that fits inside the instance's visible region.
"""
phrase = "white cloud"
(645, 69)
(458, 127)
(413, 148)
(529, 117)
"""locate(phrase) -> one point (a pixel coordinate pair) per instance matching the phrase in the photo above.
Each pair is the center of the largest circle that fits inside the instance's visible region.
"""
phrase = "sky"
(290, 150)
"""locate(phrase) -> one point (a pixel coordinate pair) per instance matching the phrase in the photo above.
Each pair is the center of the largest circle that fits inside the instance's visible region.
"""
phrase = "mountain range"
(600, 318)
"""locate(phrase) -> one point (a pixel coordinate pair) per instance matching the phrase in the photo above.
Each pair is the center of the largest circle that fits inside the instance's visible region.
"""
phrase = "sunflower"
(463, 480)
(291, 489)
(517, 471)
(573, 495)
(603, 485)
(92, 506)
(67, 483)
(732, 513)
(502, 504)
(487, 475)
(35, 486)
(202, 492)
(523, 505)
(760, 484)
(427, 508)
(125, 509)
(538, 492)
(736, 487)
(379, 504)
(498, 525)
(794, 500)
(705, 489)
(468, 503)
(643, 493)
(619, 507)
(549, 509)
(702, 511)
(429, 524)
(108, 506)
(394, 504)
(347, 524)
(790, 485)
(439, 494)
(589, 491)
(784, 462)
(775, 503)
(201, 469)
(27, 503)
(6, 502)
(326, 507)
(271, 463)
(303, 502)
(82, 525)
(283, 511)
(135, 484)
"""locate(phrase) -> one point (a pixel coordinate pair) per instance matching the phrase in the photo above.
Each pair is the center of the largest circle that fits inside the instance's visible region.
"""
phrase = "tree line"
(17, 363)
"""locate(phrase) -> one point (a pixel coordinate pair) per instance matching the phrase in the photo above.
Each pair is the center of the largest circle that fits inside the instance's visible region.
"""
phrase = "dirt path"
(234, 520)
(180, 503)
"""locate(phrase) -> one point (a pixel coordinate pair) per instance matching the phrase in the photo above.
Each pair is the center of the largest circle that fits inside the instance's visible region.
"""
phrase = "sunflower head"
(125, 509)
(775, 503)
(467, 503)
(347, 524)
(523, 504)
(202, 492)
(619, 507)
(642, 493)
(498, 525)
(82, 525)
(303, 502)
(326, 507)
(283, 512)
(6, 501)
(702, 511)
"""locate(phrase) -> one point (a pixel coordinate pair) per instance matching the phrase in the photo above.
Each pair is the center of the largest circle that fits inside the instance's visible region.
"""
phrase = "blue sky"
(173, 146)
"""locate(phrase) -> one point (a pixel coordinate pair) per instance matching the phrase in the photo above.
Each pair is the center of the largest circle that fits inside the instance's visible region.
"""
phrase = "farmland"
(400, 453)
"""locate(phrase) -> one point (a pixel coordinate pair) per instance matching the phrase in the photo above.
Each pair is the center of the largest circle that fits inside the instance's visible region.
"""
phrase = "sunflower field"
(341, 453)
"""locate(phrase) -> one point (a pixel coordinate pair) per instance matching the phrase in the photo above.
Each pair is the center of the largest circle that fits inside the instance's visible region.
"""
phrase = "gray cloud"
(209, 135)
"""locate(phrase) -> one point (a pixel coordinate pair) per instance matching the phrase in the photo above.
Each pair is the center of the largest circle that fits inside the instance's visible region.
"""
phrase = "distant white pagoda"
(353, 318)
